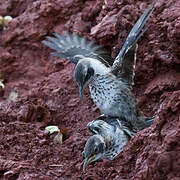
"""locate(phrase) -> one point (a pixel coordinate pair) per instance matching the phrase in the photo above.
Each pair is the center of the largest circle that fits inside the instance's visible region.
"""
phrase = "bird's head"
(101, 127)
(94, 150)
(83, 75)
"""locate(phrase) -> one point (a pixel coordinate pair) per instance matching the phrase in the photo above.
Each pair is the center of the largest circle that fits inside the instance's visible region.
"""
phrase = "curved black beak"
(87, 161)
(81, 91)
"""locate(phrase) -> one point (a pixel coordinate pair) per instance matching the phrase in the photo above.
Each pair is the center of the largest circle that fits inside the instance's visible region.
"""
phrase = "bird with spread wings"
(110, 81)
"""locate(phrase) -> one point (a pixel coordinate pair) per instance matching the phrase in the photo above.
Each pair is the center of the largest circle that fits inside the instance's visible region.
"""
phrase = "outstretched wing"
(74, 48)
(124, 64)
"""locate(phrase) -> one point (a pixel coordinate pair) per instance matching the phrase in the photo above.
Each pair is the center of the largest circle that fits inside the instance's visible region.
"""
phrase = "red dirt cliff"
(48, 95)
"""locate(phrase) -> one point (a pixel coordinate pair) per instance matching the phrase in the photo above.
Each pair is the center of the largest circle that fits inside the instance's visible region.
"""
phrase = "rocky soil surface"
(40, 90)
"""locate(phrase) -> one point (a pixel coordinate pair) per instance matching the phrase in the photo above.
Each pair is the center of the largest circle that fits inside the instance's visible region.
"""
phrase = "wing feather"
(124, 64)
(74, 48)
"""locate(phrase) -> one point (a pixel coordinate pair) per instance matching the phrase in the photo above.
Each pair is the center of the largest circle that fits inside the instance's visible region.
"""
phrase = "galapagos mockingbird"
(110, 137)
(110, 83)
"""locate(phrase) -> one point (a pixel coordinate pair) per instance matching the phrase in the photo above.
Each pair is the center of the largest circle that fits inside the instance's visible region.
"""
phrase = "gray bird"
(109, 140)
(110, 83)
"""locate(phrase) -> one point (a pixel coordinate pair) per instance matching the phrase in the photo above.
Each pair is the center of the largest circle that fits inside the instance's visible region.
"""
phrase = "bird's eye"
(90, 72)
(95, 150)
(88, 75)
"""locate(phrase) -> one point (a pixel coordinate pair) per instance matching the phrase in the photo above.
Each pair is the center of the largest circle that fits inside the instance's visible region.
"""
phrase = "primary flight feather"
(109, 80)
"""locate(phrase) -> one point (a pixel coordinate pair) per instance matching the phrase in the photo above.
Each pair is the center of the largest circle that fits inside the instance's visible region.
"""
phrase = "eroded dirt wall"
(47, 93)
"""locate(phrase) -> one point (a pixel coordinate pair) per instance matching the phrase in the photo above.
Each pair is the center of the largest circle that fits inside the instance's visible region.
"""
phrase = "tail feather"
(149, 121)
(144, 122)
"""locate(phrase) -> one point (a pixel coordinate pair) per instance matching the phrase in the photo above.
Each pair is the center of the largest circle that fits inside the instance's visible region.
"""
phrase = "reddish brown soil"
(48, 95)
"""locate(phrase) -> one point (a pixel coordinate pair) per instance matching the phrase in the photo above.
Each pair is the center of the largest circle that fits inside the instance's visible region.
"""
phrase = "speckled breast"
(102, 90)
(112, 97)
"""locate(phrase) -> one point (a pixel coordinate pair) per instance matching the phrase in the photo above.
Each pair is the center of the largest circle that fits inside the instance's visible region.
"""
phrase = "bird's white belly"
(108, 109)
(105, 106)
